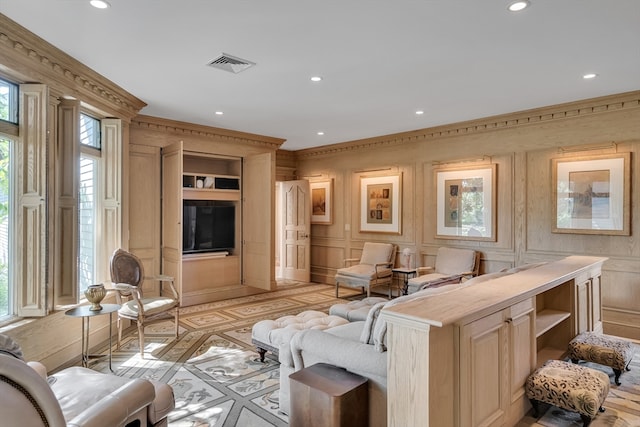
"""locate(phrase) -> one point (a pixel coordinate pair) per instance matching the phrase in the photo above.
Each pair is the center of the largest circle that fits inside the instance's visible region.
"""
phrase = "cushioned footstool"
(269, 335)
(355, 310)
(568, 386)
(602, 349)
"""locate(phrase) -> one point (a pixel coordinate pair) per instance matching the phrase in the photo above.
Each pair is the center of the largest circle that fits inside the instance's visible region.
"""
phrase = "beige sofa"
(360, 347)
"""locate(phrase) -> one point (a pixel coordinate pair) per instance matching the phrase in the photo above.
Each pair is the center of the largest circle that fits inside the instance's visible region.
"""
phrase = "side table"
(405, 274)
(324, 395)
(84, 312)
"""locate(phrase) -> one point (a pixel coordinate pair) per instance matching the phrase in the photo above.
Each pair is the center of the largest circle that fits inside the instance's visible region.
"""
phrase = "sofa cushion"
(380, 327)
(355, 310)
(366, 336)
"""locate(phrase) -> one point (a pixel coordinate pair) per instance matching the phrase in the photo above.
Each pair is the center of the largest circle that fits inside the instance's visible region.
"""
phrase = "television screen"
(208, 226)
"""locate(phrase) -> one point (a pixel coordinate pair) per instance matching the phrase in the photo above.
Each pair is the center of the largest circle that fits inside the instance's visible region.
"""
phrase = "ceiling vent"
(231, 63)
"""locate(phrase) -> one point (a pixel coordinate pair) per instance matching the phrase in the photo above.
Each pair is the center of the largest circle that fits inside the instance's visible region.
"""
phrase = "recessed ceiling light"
(519, 5)
(316, 78)
(320, 133)
(100, 4)
(219, 113)
(589, 76)
(419, 112)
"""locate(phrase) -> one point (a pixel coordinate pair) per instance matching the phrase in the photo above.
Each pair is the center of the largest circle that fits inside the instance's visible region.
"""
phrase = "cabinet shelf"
(549, 353)
(548, 318)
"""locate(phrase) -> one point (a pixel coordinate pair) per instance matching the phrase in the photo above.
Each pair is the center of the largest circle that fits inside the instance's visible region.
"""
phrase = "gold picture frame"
(465, 203)
(591, 194)
(321, 202)
(381, 204)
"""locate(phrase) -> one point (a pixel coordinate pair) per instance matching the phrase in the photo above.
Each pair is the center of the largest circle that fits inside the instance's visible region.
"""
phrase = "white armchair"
(452, 266)
(372, 269)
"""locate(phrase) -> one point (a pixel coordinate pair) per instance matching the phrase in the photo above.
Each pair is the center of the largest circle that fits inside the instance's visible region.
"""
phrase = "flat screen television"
(208, 226)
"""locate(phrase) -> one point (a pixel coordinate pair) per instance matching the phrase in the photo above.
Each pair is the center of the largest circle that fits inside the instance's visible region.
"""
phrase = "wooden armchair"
(452, 266)
(373, 268)
(127, 275)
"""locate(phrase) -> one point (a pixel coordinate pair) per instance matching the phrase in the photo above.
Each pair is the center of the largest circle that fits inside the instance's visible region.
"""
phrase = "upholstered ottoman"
(568, 386)
(602, 349)
(355, 310)
(269, 335)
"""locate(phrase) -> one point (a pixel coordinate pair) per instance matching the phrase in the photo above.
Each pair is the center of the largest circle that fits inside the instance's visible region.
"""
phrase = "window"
(8, 113)
(5, 226)
(8, 102)
(88, 201)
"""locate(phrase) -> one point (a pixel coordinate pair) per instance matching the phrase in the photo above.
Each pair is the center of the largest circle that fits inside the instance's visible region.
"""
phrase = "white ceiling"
(381, 60)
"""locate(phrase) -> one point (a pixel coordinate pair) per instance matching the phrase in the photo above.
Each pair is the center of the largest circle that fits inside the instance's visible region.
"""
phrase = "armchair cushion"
(151, 306)
(451, 261)
(376, 253)
(365, 271)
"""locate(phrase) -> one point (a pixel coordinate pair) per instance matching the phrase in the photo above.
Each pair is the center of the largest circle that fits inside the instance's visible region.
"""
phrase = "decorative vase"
(95, 294)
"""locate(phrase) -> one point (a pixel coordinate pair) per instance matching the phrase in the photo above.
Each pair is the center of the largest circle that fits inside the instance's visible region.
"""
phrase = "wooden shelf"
(549, 353)
(548, 318)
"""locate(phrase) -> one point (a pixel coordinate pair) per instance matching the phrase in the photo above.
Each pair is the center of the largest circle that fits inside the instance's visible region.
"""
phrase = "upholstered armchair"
(373, 268)
(452, 266)
(127, 275)
(76, 396)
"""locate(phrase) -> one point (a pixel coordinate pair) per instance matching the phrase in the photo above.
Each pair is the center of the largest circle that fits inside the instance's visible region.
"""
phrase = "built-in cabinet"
(204, 191)
(482, 342)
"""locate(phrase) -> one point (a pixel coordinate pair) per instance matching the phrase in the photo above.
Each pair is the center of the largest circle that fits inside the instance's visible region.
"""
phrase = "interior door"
(296, 241)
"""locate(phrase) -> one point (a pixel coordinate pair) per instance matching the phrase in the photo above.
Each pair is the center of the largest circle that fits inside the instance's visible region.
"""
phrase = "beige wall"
(522, 146)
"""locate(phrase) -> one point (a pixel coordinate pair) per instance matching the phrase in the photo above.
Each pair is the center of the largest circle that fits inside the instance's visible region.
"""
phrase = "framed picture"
(591, 195)
(381, 204)
(465, 203)
(321, 197)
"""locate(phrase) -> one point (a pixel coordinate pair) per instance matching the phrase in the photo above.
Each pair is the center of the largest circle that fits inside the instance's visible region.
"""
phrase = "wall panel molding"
(26, 54)
(568, 111)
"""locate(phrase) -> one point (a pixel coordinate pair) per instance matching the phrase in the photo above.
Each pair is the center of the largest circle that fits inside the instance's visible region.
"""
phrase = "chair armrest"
(315, 346)
(163, 278)
(39, 368)
(423, 270)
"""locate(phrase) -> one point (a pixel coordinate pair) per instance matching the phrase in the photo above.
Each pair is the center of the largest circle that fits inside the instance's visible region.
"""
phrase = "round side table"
(86, 314)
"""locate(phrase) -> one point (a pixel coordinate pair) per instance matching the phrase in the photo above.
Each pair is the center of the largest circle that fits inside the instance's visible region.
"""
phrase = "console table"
(468, 352)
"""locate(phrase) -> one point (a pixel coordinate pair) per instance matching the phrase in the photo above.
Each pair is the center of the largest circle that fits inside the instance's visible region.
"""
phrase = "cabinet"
(199, 185)
(473, 349)
(495, 361)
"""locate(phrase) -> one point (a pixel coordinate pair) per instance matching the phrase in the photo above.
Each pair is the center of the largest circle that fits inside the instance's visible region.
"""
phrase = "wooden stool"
(323, 395)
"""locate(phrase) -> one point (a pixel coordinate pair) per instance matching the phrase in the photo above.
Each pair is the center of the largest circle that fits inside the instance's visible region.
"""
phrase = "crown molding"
(184, 129)
(568, 111)
(32, 59)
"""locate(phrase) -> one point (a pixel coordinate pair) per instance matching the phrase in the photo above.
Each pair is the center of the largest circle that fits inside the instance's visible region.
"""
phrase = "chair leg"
(141, 338)
(337, 286)
(119, 325)
(177, 320)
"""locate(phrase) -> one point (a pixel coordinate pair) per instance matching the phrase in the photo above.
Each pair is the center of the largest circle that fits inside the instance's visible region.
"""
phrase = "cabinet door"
(595, 304)
(258, 224)
(483, 373)
(582, 309)
(172, 215)
(522, 356)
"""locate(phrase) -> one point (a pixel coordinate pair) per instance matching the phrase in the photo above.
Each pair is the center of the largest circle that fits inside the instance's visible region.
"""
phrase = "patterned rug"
(217, 377)
(219, 381)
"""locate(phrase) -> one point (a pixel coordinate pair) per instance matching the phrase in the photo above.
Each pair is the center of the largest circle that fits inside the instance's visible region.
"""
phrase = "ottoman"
(269, 335)
(568, 386)
(355, 310)
(602, 349)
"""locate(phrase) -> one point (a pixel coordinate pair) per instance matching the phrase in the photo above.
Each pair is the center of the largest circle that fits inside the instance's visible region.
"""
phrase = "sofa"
(76, 396)
(360, 347)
